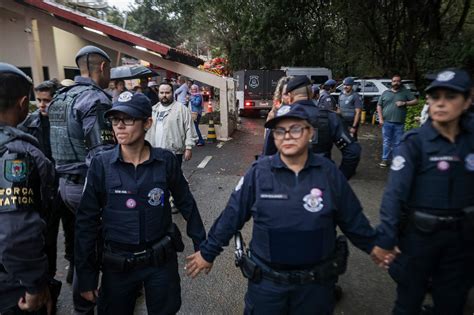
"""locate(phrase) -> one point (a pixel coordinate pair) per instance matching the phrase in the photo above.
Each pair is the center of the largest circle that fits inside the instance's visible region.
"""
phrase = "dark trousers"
(180, 159)
(442, 256)
(59, 212)
(16, 311)
(118, 292)
(268, 297)
(196, 125)
(349, 121)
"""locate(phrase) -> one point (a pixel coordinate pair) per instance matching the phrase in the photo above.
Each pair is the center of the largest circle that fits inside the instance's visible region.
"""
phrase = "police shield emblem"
(156, 197)
(313, 202)
(253, 81)
(16, 170)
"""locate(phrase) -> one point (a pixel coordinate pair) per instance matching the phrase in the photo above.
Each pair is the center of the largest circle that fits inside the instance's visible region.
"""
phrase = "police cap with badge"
(134, 105)
(286, 112)
(452, 79)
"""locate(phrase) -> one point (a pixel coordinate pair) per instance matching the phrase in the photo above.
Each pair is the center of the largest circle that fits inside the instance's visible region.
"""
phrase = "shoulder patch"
(398, 163)
(16, 170)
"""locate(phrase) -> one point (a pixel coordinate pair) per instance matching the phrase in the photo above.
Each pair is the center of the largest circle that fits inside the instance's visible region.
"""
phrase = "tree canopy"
(358, 38)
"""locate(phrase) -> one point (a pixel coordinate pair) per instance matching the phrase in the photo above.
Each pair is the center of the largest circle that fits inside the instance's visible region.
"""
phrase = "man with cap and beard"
(79, 131)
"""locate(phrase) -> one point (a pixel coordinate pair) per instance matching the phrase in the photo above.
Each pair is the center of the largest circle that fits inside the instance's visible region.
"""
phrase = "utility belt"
(117, 260)
(327, 271)
(462, 220)
(75, 178)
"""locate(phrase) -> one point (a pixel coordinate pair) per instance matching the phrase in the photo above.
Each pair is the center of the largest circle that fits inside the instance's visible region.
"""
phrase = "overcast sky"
(122, 5)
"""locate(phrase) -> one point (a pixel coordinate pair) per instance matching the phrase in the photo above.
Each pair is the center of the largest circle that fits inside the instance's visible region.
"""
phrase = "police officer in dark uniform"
(296, 199)
(79, 130)
(24, 183)
(330, 128)
(127, 196)
(428, 206)
(326, 100)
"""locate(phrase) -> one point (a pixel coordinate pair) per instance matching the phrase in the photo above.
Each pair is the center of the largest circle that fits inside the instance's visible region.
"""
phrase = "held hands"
(90, 296)
(195, 264)
(34, 302)
(382, 257)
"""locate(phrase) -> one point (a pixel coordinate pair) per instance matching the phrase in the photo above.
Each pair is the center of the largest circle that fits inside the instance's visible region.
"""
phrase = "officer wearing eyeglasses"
(127, 196)
(296, 199)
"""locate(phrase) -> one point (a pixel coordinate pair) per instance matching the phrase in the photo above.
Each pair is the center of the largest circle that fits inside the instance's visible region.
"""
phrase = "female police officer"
(296, 199)
(126, 194)
(427, 207)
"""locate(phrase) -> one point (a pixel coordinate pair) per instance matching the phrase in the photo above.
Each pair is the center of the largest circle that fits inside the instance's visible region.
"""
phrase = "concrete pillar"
(34, 49)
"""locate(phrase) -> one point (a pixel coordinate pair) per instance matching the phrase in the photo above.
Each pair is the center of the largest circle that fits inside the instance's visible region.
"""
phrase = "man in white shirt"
(172, 127)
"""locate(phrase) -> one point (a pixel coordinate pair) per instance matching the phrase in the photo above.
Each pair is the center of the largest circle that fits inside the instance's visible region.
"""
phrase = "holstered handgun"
(342, 254)
(176, 238)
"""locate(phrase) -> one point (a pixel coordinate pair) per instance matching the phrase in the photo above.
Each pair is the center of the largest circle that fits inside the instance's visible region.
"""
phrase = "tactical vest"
(439, 184)
(293, 223)
(346, 104)
(68, 144)
(323, 142)
(20, 187)
(135, 217)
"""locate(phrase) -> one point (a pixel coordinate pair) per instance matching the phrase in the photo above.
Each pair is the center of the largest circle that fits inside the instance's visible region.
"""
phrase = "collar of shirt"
(431, 133)
(117, 155)
(313, 160)
(84, 80)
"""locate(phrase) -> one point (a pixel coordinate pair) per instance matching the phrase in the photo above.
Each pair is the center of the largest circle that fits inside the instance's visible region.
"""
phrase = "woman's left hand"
(195, 264)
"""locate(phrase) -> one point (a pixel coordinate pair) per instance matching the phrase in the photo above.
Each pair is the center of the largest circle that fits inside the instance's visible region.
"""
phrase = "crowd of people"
(107, 166)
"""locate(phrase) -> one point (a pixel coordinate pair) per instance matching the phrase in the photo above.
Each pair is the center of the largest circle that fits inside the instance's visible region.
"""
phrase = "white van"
(317, 75)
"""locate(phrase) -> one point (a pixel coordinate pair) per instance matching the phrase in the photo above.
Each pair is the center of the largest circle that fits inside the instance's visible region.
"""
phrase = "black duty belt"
(120, 261)
(75, 178)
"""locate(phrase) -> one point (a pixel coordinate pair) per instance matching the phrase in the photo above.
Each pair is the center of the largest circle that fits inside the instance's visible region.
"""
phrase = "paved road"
(367, 289)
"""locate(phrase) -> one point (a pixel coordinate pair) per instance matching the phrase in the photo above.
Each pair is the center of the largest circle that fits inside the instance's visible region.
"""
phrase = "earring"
(146, 129)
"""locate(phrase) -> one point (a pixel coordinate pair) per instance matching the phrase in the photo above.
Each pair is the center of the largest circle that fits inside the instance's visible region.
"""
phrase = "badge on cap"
(131, 203)
(125, 97)
(313, 202)
(469, 160)
(445, 76)
(283, 110)
(156, 197)
(398, 163)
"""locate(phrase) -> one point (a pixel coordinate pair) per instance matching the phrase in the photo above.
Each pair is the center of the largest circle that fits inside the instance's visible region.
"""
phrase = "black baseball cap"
(452, 79)
(296, 82)
(287, 111)
(135, 105)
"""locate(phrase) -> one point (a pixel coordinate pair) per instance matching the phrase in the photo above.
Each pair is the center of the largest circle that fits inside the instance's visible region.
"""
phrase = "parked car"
(371, 89)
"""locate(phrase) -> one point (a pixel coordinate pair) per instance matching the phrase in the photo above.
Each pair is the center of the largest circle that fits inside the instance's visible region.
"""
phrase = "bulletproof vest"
(20, 183)
(442, 182)
(135, 216)
(323, 142)
(293, 222)
(346, 104)
(68, 143)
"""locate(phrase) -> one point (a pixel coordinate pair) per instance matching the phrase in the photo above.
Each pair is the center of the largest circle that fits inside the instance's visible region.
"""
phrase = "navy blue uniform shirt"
(94, 200)
(283, 209)
(430, 173)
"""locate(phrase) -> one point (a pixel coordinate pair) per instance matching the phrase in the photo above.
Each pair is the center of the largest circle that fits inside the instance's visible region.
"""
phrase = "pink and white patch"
(316, 192)
(443, 165)
(131, 203)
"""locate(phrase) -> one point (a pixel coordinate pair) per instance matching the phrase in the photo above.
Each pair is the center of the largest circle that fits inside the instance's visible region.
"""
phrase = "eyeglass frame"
(122, 120)
(288, 131)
